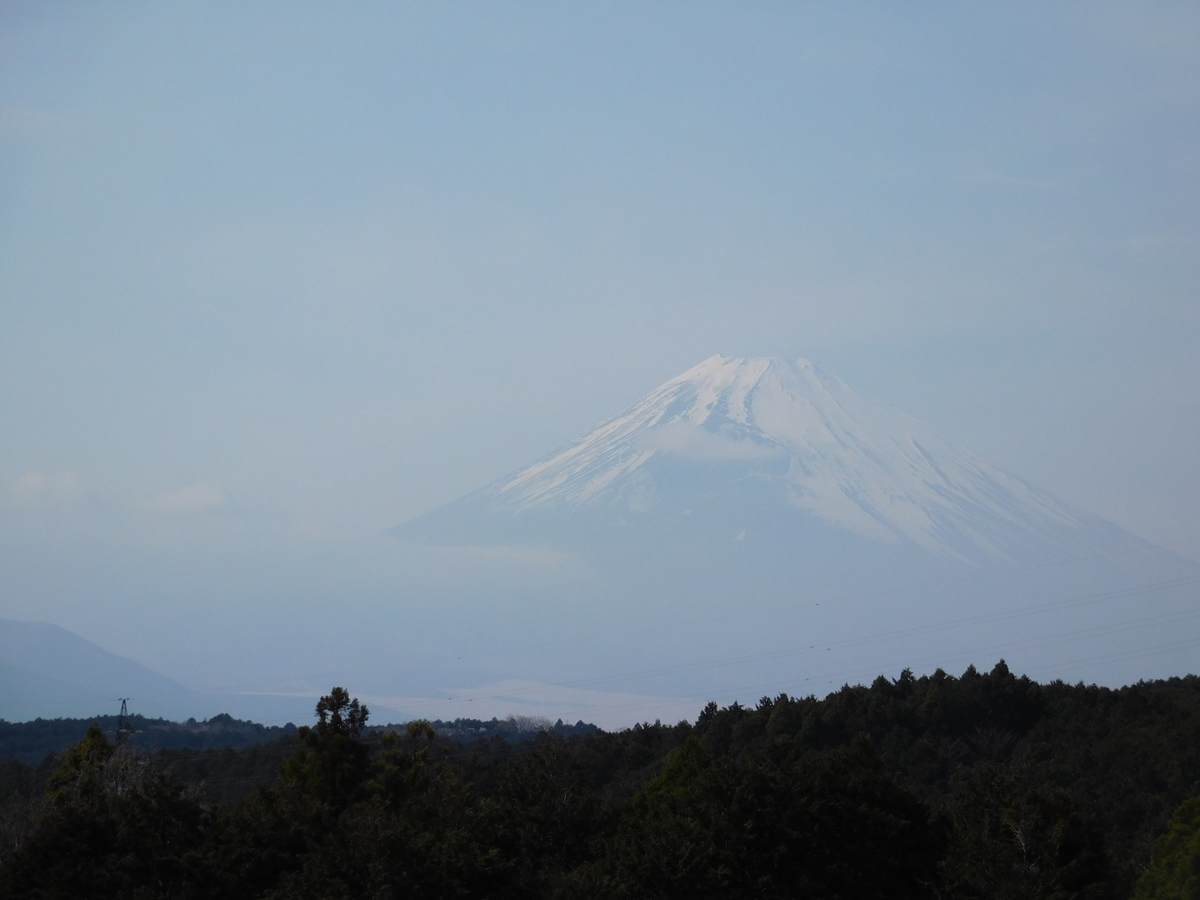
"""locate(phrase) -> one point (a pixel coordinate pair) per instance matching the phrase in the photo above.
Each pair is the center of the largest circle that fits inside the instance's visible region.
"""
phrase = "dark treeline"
(981, 786)
(31, 742)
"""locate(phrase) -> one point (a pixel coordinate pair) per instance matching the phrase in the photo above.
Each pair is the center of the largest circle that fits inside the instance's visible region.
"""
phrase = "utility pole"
(123, 729)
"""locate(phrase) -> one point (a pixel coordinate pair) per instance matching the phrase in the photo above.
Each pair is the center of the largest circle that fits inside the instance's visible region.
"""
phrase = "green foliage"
(80, 776)
(32, 742)
(332, 765)
(1014, 840)
(775, 825)
(337, 714)
(112, 827)
(1174, 873)
(984, 786)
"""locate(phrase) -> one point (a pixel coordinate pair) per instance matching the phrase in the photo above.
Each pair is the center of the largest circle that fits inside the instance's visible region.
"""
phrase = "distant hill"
(50, 672)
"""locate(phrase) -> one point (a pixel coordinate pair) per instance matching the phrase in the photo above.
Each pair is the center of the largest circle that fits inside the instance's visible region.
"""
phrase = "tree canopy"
(983, 786)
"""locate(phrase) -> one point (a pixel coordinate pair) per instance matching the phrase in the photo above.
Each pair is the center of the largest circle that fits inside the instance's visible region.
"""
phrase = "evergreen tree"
(1174, 872)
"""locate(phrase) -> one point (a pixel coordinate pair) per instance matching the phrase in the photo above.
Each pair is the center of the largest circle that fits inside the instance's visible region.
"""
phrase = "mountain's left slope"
(762, 506)
(47, 671)
(772, 450)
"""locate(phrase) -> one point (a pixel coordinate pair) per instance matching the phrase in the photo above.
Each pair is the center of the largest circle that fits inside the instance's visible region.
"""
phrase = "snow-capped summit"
(732, 437)
(789, 428)
(762, 503)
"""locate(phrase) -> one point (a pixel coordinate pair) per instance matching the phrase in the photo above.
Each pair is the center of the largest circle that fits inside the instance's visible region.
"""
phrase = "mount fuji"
(753, 500)
(745, 444)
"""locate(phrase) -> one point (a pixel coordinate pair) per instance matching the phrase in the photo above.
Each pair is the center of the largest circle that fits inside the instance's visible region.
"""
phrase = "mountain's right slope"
(761, 505)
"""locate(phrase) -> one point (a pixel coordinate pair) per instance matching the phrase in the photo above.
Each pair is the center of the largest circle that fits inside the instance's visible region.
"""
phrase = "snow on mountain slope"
(744, 441)
(752, 503)
(807, 438)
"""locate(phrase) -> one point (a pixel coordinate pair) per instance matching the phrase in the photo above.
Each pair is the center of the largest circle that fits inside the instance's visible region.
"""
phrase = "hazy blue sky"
(312, 270)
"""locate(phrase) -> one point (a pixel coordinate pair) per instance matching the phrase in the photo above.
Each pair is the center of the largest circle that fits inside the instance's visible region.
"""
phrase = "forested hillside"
(978, 786)
(31, 742)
